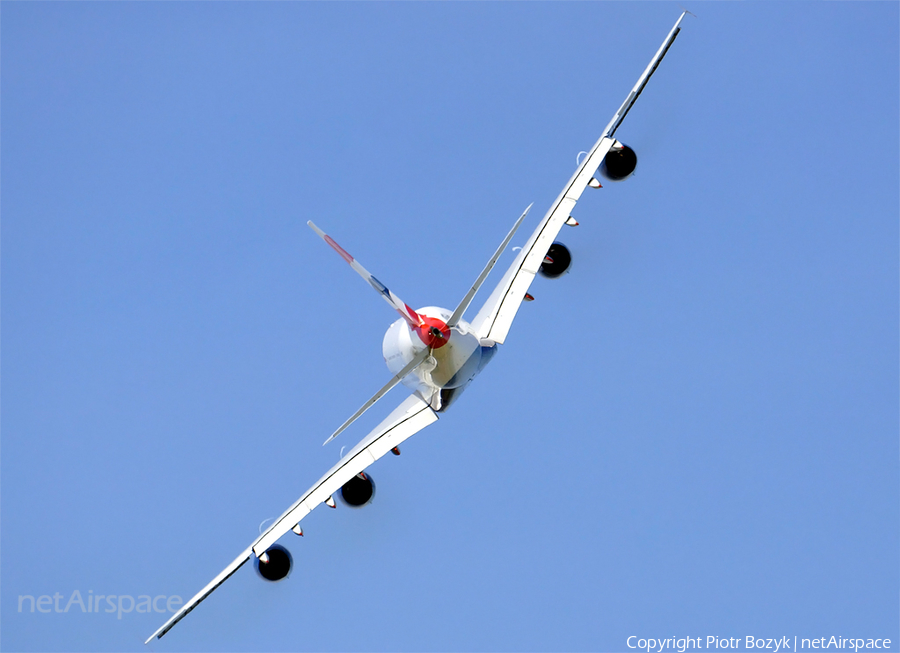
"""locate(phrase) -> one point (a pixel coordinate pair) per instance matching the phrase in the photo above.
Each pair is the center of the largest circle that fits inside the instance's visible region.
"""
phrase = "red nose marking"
(429, 331)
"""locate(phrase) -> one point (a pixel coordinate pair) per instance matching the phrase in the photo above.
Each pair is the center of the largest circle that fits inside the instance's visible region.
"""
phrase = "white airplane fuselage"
(457, 355)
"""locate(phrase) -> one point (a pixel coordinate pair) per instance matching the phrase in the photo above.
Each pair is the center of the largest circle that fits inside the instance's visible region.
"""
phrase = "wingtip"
(684, 12)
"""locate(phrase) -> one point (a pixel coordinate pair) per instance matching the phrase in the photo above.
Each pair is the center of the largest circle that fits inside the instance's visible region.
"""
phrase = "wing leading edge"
(406, 420)
(496, 316)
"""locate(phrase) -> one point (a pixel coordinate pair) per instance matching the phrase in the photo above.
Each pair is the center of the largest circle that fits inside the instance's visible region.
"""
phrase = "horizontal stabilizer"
(464, 304)
(413, 364)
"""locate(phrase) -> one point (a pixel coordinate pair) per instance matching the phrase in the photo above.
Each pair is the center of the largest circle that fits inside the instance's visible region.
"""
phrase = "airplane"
(436, 353)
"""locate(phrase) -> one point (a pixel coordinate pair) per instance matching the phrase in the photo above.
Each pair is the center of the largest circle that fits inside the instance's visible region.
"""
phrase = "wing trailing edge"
(496, 316)
(406, 420)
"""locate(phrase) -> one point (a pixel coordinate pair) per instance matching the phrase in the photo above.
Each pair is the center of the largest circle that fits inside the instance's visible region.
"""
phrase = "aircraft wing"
(406, 420)
(496, 316)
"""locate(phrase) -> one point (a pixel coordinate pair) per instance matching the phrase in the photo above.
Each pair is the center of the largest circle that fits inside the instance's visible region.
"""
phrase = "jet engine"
(358, 491)
(556, 262)
(619, 162)
(277, 563)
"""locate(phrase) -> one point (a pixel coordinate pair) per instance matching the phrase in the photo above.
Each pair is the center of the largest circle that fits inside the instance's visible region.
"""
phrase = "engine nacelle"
(358, 491)
(277, 565)
(559, 261)
(619, 162)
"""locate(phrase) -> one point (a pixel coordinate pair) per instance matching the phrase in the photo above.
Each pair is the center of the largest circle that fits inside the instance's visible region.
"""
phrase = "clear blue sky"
(693, 433)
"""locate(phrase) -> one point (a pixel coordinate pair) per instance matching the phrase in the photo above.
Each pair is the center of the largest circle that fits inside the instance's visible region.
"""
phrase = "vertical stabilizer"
(413, 318)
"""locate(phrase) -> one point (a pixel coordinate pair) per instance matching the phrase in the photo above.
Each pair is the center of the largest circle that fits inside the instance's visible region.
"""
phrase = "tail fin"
(413, 318)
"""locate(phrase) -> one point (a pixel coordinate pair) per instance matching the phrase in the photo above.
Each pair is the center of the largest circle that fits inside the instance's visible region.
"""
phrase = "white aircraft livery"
(436, 353)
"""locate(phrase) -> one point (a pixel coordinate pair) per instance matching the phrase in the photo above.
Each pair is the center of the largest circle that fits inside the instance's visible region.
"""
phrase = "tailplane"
(464, 304)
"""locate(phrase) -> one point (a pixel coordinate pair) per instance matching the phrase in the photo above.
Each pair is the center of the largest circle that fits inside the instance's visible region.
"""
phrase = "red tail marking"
(338, 249)
(425, 335)
(415, 316)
